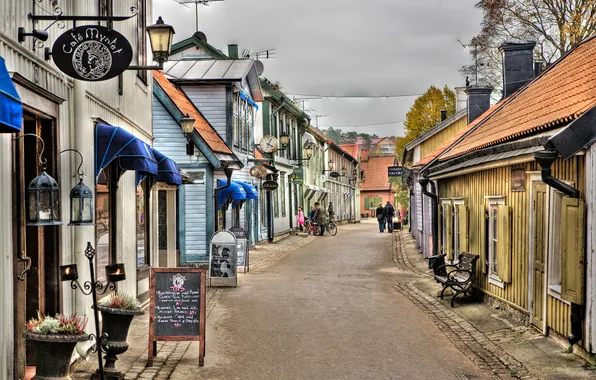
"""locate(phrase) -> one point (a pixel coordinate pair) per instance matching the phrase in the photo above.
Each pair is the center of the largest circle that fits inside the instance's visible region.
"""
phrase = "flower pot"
(53, 353)
(115, 323)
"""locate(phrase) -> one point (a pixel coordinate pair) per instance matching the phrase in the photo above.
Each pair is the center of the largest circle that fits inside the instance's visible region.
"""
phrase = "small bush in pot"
(54, 340)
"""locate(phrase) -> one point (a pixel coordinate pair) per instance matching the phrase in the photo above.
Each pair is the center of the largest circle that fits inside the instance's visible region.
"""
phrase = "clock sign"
(269, 144)
(92, 53)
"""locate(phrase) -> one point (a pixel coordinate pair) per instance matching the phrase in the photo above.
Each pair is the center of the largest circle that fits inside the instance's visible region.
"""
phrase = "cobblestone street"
(355, 306)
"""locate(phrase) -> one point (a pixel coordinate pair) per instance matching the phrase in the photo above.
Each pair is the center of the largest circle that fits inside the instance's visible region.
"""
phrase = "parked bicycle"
(332, 228)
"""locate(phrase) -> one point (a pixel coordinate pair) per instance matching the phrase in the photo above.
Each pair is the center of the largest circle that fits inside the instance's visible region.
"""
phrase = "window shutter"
(504, 243)
(572, 249)
(448, 231)
(482, 219)
(463, 228)
(366, 203)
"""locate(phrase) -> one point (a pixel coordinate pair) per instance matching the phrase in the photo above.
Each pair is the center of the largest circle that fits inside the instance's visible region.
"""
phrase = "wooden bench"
(458, 277)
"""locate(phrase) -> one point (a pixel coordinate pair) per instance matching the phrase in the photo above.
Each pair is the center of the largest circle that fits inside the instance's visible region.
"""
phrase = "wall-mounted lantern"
(284, 139)
(188, 128)
(81, 199)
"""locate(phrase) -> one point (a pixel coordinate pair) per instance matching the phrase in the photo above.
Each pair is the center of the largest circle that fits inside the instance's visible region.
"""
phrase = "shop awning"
(167, 170)
(235, 193)
(251, 191)
(11, 108)
(243, 96)
(114, 143)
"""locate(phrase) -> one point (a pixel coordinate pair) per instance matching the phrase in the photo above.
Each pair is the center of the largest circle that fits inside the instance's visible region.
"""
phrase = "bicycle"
(332, 228)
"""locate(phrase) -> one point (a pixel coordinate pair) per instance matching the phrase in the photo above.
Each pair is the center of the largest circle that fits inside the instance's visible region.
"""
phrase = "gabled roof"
(376, 175)
(559, 95)
(351, 149)
(185, 106)
(428, 158)
(196, 41)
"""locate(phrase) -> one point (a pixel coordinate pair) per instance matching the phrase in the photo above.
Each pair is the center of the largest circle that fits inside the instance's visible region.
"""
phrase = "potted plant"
(117, 311)
(54, 340)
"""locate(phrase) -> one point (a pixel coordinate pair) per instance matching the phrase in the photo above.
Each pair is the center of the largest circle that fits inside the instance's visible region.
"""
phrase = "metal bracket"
(27, 260)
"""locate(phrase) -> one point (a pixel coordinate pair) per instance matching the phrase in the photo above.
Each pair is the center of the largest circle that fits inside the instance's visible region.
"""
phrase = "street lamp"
(188, 127)
(284, 139)
(308, 151)
(160, 37)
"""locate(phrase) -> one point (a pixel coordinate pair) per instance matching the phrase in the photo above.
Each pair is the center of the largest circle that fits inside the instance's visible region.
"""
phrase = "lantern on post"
(188, 128)
(160, 38)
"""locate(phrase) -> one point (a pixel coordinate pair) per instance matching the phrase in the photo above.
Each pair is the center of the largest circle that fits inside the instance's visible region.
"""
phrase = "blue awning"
(251, 191)
(11, 107)
(243, 96)
(115, 143)
(167, 170)
(235, 192)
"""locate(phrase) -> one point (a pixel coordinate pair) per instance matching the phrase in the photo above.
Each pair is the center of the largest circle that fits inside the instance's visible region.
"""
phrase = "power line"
(355, 96)
(362, 125)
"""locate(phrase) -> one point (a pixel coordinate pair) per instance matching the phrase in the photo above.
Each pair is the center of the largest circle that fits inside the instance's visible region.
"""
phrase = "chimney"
(518, 65)
(233, 51)
(478, 101)
(461, 99)
(537, 68)
(443, 115)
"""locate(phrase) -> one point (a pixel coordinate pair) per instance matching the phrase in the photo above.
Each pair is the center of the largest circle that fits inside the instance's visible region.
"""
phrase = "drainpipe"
(228, 172)
(434, 214)
(545, 159)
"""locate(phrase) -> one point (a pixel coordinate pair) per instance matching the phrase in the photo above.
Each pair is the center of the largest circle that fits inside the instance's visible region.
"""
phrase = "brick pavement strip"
(481, 349)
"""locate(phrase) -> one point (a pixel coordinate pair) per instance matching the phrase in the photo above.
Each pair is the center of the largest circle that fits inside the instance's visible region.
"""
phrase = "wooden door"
(539, 257)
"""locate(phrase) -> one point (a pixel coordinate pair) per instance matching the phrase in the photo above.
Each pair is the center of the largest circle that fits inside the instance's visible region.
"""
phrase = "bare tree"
(555, 25)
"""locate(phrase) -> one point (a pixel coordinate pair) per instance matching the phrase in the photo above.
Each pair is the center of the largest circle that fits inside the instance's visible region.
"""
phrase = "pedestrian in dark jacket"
(389, 213)
(381, 217)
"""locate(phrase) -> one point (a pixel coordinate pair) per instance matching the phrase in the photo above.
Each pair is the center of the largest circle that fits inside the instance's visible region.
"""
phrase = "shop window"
(142, 223)
(105, 219)
(282, 190)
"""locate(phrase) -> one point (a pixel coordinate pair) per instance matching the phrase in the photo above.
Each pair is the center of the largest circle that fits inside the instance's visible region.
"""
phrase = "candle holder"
(92, 287)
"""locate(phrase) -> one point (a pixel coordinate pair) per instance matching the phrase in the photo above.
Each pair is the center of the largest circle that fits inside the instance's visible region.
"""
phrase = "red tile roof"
(561, 94)
(351, 149)
(185, 106)
(428, 158)
(376, 176)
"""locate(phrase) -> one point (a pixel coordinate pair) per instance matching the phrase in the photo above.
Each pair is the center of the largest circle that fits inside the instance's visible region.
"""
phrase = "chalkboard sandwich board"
(177, 308)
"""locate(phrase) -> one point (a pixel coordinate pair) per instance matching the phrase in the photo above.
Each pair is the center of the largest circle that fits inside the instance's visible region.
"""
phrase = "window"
(282, 190)
(276, 203)
(142, 224)
(554, 276)
(493, 241)
(236, 120)
(263, 209)
(105, 220)
(447, 229)
(460, 228)
(142, 38)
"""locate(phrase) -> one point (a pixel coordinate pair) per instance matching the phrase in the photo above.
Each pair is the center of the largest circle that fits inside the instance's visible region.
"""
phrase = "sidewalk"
(493, 340)
(180, 359)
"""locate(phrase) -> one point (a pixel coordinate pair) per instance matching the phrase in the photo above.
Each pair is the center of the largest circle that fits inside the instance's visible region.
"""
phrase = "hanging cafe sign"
(92, 53)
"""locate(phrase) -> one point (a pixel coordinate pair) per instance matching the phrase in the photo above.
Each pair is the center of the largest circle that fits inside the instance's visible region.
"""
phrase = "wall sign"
(395, 171)
(333, 174)
(92, 53)
(270, 185)
(518, 178)
(177, 308)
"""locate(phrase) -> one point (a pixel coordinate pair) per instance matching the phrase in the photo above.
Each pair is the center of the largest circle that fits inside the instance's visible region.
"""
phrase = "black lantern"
(115, 272)
(81, 205)
(44, 201)
(69, 272)
(343, 172)
(160, 37)
(188, 128)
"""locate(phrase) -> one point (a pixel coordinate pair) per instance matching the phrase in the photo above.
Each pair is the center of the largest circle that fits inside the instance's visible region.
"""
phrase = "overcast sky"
(343, 47)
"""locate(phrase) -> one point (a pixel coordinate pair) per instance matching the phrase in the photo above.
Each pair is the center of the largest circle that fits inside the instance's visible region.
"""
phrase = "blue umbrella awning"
(251, 102)
(115, 143)
(11, 107)
(235, 193)
(167, 170)
(250, 190)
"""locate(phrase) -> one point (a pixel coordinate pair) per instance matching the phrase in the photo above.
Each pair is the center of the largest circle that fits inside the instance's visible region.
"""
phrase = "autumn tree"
(425, 114)
(555, 25)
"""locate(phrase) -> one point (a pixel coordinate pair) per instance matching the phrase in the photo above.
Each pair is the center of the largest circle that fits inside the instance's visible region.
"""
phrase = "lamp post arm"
(158, 67)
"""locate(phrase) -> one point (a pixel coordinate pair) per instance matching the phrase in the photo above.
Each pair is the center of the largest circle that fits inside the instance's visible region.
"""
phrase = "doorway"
(538, 264)
(39, 289)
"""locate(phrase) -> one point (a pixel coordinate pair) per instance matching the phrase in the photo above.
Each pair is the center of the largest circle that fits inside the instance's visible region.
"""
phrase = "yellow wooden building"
(511, 190)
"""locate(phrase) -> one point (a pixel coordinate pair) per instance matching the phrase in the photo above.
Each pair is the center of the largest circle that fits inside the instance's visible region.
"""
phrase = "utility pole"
(302, 100)
(317, 119)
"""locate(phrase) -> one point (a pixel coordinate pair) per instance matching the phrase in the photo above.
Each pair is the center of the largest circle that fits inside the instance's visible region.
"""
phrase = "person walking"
(301, 218)
(331, 212)
(320, 217)
(389, 213)
(381, 217)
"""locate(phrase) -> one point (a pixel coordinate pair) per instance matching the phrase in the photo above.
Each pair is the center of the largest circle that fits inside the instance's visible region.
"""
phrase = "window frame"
(555, 204)
(111, 175)
(444, 202)
(146, 199)
(456, 233)
(493, 277)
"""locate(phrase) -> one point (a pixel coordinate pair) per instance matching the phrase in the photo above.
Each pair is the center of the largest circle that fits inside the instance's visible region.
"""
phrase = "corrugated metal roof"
(232, 69)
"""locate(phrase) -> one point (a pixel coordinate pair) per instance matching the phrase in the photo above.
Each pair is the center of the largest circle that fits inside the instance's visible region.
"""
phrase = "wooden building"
(507, 195)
